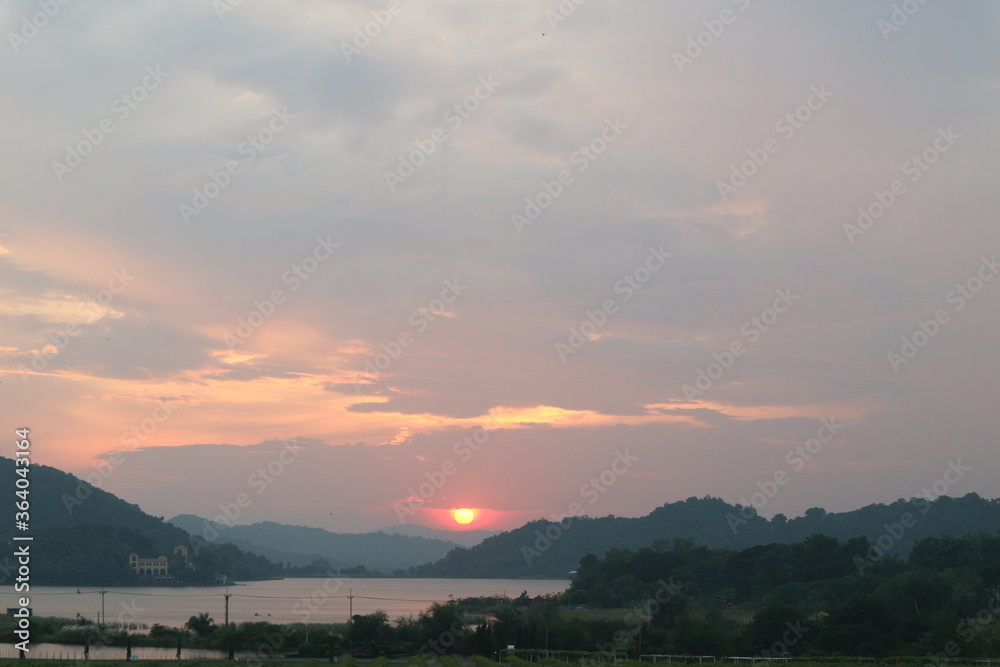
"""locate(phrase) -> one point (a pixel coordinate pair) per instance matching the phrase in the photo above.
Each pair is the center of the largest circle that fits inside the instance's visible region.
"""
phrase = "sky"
(359, 263)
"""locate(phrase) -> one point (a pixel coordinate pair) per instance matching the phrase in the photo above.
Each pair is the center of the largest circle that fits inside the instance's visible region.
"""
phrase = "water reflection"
(76, 652)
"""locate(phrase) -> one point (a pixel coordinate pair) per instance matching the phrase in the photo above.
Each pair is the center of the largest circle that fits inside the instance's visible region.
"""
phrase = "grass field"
(479, 661)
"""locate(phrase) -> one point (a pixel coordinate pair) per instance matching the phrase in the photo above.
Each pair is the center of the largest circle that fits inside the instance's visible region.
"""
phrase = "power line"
(240, 595)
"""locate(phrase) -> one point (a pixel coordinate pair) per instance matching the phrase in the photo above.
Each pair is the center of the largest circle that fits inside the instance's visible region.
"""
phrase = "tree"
(695, 637)
(916, 591)
(370, 631)
(202, 624)
(774, 631)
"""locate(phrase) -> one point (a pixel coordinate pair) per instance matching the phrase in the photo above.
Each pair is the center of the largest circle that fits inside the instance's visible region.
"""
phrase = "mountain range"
(379, 551)
(84, 536)
(464, 538)
(553, 549)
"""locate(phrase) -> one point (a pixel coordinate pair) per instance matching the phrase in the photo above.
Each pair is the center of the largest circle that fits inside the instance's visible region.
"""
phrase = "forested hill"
(838, 598)
(549, 549)
(83, 536)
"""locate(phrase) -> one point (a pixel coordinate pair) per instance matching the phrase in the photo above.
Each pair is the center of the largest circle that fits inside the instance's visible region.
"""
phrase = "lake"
(73, 652)
(279, 601)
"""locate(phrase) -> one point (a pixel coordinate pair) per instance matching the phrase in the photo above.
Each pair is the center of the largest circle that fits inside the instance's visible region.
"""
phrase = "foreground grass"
(479, 661)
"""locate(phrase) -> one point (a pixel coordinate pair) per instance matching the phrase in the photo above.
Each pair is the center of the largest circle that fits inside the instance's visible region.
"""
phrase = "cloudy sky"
(350, 263)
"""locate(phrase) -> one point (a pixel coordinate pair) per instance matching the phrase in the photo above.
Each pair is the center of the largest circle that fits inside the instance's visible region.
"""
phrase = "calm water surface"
(72, 652)
(281, 601)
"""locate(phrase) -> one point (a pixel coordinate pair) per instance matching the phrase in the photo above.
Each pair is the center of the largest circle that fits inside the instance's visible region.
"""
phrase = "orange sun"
(463, 515)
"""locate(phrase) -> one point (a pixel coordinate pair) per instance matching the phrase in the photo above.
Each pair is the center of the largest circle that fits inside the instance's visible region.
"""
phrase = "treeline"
(551, 549)
(456, 627)
(818, 597)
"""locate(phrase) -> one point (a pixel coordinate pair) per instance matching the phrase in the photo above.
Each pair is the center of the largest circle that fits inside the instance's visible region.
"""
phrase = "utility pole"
(104, 618)
(227, 604)
(350, 604)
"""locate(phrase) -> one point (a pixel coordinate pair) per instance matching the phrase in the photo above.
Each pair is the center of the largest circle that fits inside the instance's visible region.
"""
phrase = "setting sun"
(463, 515)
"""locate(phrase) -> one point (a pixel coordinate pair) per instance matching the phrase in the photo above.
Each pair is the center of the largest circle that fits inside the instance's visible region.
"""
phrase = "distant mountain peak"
(465, 538)
(379, 551)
